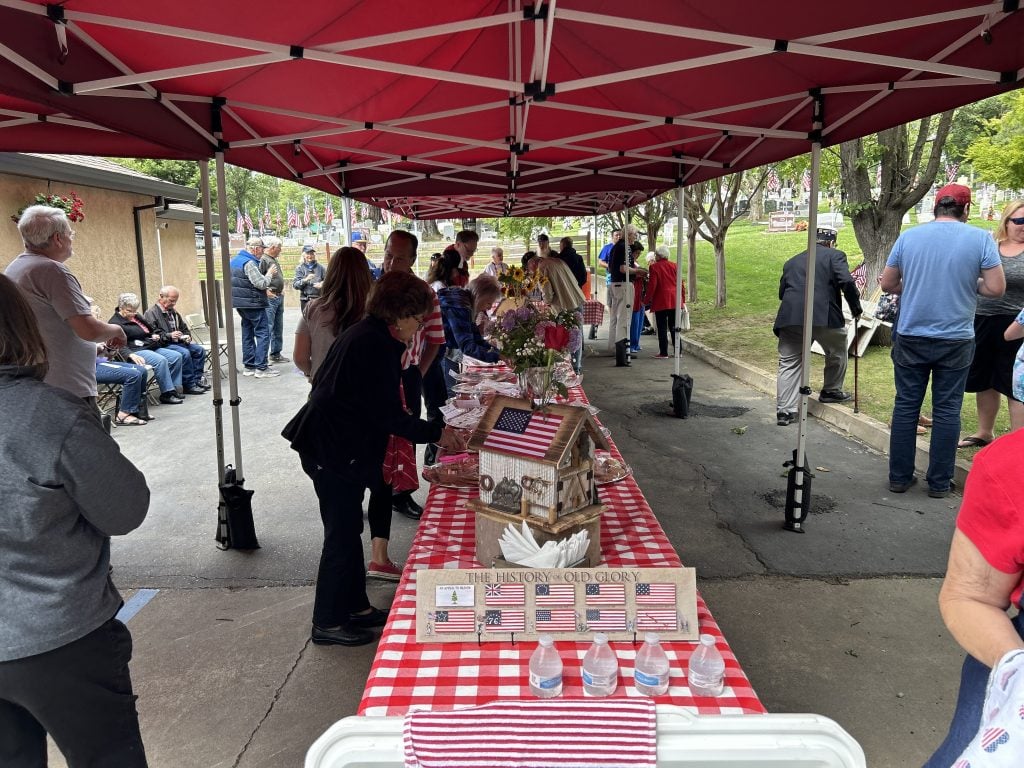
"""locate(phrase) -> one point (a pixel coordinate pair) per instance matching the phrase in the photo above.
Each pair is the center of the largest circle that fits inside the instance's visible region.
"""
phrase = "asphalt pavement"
(839, 621)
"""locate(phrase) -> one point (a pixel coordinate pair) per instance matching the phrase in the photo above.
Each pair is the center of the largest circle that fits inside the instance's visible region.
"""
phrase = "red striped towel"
(588, 733)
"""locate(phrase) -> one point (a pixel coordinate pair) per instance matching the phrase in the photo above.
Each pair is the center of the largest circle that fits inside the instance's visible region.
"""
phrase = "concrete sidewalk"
(840, 621)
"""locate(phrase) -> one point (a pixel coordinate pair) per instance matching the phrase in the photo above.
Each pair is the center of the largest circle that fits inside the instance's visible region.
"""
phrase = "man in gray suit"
(831, 278)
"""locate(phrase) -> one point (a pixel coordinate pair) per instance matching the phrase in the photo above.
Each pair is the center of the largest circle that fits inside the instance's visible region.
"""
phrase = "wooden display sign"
(568, 603)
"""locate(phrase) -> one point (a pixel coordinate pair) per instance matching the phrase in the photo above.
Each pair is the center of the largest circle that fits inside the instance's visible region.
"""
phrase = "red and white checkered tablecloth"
(407, 675)
(593, 312)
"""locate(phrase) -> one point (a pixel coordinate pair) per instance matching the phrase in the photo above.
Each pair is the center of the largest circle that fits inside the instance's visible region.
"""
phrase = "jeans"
(176, 361)
(166, 370)
(80, 694)
(947, 362)
(275, 323)
(341, 577)
(132, 379)
(255, 338)
(193, 361)
(635, 327)
(967, 715)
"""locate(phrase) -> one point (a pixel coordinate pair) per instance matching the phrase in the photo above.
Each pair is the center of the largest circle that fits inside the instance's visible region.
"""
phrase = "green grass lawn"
(743, 328)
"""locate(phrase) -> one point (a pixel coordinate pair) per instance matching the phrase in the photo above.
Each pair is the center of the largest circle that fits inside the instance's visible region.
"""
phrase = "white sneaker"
(249, 372)
(269, 373)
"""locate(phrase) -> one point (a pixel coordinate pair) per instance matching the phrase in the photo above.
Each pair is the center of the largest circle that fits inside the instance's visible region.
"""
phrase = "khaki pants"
(832, 340)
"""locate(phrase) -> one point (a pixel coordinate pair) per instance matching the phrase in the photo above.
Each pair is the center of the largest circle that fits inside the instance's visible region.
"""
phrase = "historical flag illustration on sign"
(504, 620)
(505, 594)
(461, 620)
(655, 593)
(656, 619)
(554, 594)
(606, 620)
(556, 620)
(523, 432)
(606, 594)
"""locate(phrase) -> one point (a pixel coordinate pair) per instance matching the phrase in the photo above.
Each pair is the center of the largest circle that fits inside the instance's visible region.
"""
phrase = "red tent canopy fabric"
(490, 107)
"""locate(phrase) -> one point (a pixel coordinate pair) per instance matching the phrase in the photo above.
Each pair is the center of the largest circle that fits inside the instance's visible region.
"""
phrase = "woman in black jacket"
(341, 435)
(151, 345)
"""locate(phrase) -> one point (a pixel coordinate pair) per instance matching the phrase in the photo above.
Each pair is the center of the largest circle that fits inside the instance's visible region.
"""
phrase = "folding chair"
(201, 336)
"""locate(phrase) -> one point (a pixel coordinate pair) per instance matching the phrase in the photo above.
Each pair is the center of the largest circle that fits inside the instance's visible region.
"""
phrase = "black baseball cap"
(826, 235)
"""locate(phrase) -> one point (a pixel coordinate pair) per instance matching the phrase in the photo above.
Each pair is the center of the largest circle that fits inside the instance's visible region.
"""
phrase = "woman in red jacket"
(661, 295)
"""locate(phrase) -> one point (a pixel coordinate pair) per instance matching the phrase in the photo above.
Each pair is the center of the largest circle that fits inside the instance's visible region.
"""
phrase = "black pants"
(435, 395)
(341, 577)
(80, 694)
(665, 319)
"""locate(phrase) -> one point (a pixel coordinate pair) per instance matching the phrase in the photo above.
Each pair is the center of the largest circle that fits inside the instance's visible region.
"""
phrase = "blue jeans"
(636, 325)
(255, 338)
(947, 362)
(176, 361)
(967, 715)
(275, 323)
(193, 360)
(132, 379)
(167, 371)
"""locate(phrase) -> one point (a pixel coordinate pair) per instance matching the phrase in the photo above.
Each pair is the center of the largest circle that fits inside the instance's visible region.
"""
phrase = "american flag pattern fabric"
(239, 221)
(305, 212)
(554, 594)
(431, 332)
(504, 620)
(248, 221)
(329, 212)
(605, 620)
(614, 733)
(997, 742)
(459, 620)
(656, 620)
(523, 432)
(505, 594)
(293, 216)
(994, 738)
(606, 594)
(654, 594)
(860, 276)
(555, 620)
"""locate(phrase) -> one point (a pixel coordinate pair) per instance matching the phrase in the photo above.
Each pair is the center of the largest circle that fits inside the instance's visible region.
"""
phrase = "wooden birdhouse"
(538, 466)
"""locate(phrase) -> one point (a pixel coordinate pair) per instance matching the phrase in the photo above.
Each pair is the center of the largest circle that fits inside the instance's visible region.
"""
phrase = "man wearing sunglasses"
(939, 269)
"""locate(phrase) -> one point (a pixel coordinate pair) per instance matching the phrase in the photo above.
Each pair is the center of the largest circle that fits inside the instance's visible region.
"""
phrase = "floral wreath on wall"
(71, 204)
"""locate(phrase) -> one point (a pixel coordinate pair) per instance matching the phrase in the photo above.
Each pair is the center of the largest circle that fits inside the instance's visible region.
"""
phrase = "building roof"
(511, 427)
(92, 172)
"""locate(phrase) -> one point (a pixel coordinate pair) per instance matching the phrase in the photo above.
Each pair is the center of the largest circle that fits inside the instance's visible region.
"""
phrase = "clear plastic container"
(650, 672)
(545, 669)
(600, 668)
(706, 671)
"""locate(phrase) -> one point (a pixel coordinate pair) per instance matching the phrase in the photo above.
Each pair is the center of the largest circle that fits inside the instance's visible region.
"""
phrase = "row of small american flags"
(244, 222)
(644, 593)
(505, 620)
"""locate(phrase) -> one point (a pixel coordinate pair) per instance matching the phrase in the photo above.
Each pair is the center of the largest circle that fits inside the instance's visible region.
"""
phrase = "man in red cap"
(938, 269)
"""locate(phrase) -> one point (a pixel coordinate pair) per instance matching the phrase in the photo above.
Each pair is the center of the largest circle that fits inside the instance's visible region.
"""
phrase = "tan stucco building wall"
(105, 260)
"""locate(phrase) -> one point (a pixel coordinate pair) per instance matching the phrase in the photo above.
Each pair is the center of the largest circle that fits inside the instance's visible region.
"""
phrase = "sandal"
(973, 442)
(129, 421)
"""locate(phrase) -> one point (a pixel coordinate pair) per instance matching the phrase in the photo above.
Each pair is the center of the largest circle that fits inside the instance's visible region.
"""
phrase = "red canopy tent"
(491, 108)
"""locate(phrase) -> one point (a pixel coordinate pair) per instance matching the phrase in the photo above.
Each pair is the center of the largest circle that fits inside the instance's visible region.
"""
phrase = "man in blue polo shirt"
(938, 268)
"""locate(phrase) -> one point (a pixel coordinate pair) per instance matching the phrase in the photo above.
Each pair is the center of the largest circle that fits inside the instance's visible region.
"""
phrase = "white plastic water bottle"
(545, 669)
(600, 668)
(650, 672)
(706, 671)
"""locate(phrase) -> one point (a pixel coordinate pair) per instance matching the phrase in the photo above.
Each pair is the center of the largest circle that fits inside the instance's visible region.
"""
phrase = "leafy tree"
(999, 157)
(654, 213)
(524, 228)
(184, 172)
(971, 123)
(906, 159)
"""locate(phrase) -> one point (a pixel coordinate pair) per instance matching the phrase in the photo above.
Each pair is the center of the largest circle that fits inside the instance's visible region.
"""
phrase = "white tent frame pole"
(677, 351)
(346, 205)
(800, 493)
(229, 319)
(211, 316)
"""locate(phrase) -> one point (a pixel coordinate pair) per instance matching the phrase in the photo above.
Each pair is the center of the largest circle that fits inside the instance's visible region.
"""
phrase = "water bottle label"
(598, 681)
(545, 683)
(644, 679)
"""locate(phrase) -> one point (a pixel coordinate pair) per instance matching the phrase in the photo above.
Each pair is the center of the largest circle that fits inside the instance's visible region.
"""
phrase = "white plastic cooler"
(685, 740)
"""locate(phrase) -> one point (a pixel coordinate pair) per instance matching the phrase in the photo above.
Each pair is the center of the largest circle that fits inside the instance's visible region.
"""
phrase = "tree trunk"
(430, 230)
(691, 272)
(876, 231)
(720, 293)
(756, 212)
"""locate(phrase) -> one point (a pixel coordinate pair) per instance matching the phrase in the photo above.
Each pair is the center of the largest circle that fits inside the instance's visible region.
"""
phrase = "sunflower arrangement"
(517, 283)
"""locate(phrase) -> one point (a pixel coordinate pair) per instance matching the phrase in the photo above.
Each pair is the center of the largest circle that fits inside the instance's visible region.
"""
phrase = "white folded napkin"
(999, 742)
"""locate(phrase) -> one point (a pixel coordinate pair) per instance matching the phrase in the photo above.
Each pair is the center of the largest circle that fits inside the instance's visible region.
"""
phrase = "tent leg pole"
(229, 324)
(211, 303)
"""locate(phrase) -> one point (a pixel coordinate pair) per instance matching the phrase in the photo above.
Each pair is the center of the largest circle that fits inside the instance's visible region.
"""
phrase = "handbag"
(682, 390)
(888, 307)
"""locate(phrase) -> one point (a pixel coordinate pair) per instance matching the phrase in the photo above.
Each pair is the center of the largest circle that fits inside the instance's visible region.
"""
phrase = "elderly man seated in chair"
(165, 317)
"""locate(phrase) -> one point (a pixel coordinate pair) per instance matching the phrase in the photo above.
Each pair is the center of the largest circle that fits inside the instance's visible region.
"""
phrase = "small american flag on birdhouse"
(523, 432)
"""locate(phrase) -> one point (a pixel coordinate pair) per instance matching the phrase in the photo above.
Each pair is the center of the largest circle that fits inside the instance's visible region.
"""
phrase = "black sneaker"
(834, 396)
(902, 487)
(784, 419)
(934, 494)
